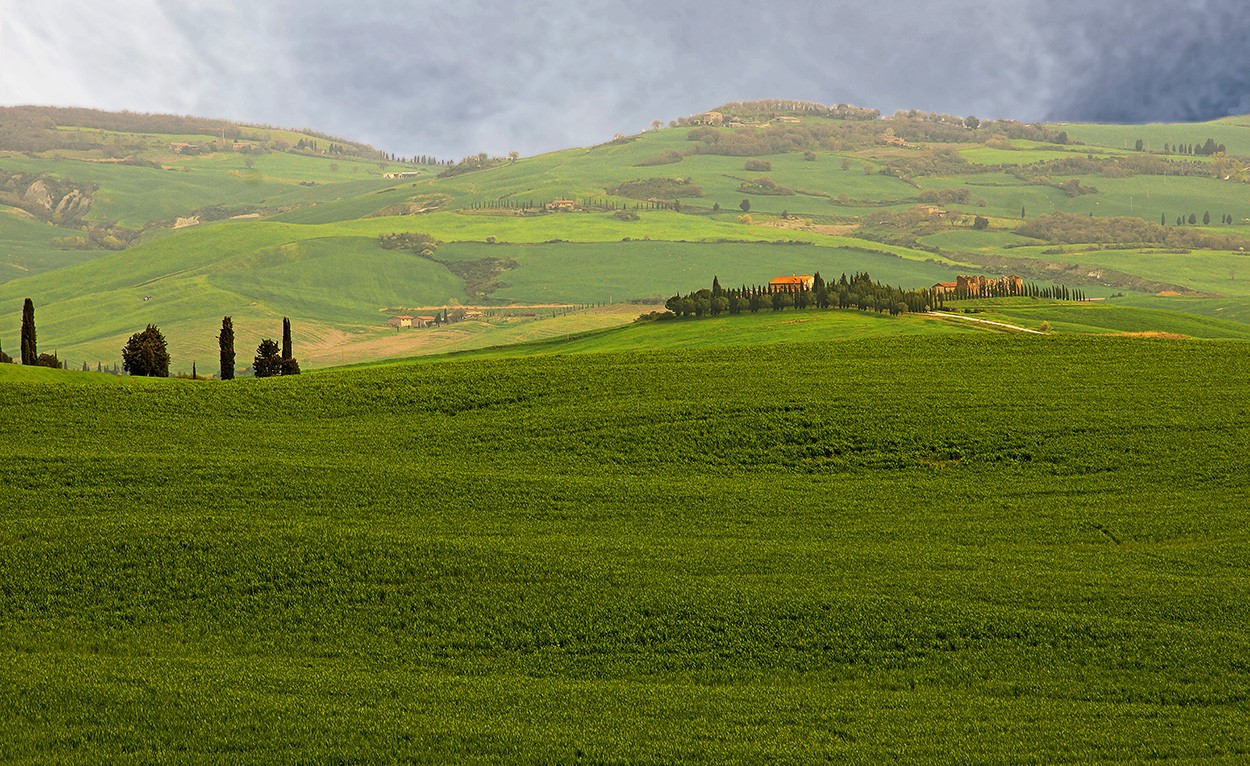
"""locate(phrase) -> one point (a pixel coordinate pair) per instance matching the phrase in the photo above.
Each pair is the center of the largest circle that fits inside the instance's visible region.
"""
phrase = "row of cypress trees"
(270, 359)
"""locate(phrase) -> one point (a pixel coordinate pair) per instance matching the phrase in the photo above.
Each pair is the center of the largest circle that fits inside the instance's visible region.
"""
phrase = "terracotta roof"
(791, 280)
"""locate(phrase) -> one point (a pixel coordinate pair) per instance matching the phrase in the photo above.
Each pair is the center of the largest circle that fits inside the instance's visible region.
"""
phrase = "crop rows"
(939, 548)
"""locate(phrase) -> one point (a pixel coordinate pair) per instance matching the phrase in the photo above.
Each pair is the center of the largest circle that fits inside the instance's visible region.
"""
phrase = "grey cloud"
(477, 75)
(1139, 62)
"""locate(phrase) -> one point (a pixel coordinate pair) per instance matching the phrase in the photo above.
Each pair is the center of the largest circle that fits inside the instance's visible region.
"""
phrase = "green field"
(964, 548)
(552, 532)
(312, 254)
(1230, 131)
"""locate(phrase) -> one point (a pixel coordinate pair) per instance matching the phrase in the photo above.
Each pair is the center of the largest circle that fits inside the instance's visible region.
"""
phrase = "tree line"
(858, 291)
(1067, 228)
(146, 353)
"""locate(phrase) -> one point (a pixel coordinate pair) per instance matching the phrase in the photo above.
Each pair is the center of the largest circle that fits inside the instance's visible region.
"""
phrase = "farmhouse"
(791, 284)
(709, 118)
(404, 174)
(562, 206)
(424, 321)
(980, 284)
(400, 321)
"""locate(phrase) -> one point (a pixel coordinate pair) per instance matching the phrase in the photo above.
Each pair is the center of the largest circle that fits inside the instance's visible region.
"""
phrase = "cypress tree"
(289, 365)
(286, 338)
(226, 341)
(29, 352)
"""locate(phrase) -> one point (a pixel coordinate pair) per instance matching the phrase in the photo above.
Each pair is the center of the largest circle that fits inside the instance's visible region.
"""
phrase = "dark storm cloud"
(457, 78)
(1138, 62)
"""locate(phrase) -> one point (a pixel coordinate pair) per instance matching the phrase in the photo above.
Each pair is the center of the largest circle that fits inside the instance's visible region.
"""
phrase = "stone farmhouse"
(405, 321)
(981, 285)
(791, 284)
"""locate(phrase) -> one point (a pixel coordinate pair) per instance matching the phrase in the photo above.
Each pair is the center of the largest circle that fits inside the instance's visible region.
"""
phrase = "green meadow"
(554, 534)
(310, 250)
(1230, 131)
(925, 548)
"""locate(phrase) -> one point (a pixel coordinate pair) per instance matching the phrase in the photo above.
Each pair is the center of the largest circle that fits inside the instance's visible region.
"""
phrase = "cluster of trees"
(766, 187)
(669, 157)
(1066, 228)
(35, 129)
(946, 196)
(1208, 148)
(769, 109)
(146, 353)
(846, 132)
(420, 159)
(941, 161)
(308, 145)
(858, 291)
(657, 189)
(421, 244)
(1122, 166)
(481, 161)
(271, 360)
(538, 207)
(1226, 219)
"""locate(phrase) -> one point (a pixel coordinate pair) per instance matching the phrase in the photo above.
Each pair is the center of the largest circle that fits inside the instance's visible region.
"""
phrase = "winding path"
(1004, 325)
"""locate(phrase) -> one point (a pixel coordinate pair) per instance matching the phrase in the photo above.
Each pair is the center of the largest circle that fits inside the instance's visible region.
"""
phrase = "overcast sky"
(457, 77)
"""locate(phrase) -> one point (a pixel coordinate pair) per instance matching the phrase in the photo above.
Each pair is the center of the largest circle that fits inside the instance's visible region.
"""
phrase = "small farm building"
(791, 284)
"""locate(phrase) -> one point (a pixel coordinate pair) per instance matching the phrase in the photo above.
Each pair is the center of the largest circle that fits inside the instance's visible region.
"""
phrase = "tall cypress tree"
(286, 338)
(289, 365)
(226, 341)
(29, 353)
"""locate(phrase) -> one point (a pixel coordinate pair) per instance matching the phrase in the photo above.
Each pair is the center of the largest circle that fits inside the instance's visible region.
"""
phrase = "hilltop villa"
(981, 285)
(791, 284)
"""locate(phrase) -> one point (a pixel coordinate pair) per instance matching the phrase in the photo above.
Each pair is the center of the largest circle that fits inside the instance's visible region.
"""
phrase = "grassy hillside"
(656, 214)
(862, 551)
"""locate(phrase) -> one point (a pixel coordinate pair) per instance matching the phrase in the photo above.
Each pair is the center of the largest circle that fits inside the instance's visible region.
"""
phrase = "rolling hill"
(772, 537)
(787, 552)
(177, 222)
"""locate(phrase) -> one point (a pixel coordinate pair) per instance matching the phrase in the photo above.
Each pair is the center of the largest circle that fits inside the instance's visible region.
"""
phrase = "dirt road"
(1004, 325)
